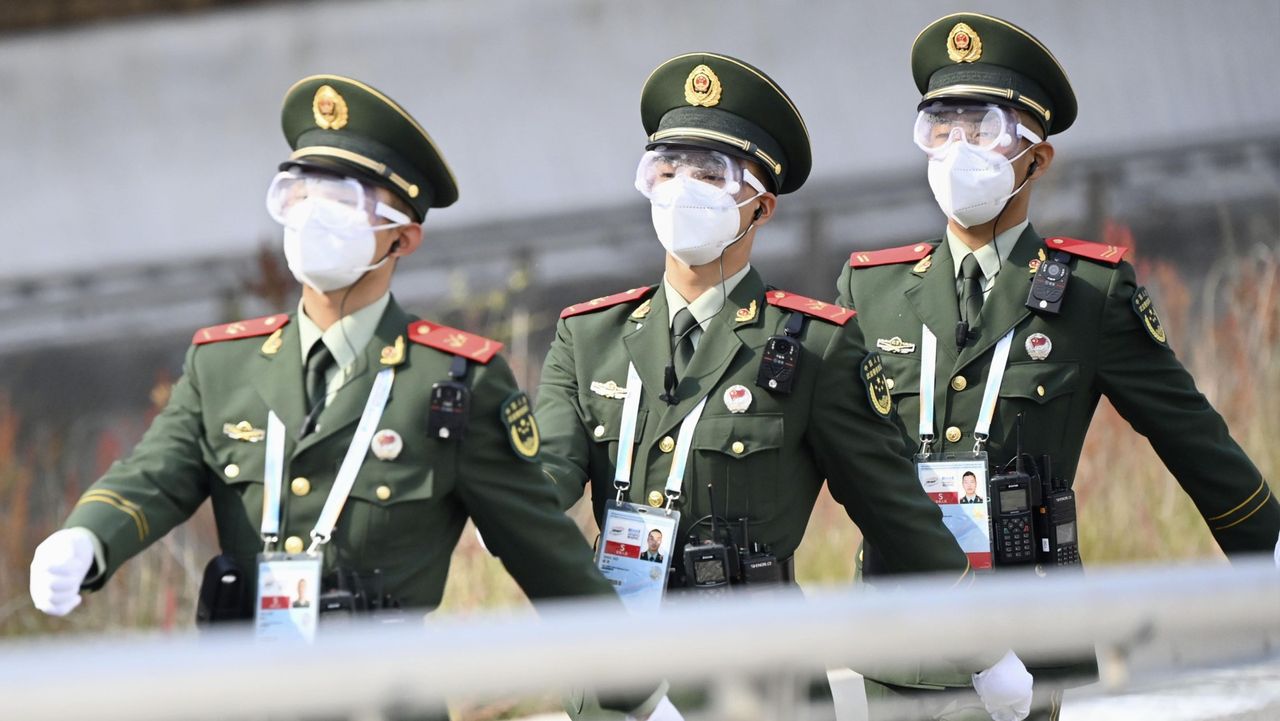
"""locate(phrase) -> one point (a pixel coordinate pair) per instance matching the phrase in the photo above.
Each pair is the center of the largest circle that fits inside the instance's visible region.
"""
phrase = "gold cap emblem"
(329, 108)
(702, 87)
(963, 44)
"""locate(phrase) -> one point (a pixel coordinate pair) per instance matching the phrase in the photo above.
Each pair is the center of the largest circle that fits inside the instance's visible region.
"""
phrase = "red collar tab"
(453, 341)
(607, 301)
(1102, 252)
(889, 256)
(240, 329)
(826, 311)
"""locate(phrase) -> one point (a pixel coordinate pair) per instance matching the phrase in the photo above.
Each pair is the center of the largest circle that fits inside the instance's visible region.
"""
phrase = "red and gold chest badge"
(329, 108)
(702, 87)
(963, 44)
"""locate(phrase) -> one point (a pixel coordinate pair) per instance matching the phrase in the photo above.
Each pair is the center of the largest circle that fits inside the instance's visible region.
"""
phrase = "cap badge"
(1039, 346)
(963, 44)
(702, 87)
(386, 445)
(329, 108)
(737, 399)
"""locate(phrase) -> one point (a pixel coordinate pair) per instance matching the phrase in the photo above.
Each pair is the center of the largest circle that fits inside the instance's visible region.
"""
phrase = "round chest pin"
(737, 399)
(386, 445)
(1039, 346)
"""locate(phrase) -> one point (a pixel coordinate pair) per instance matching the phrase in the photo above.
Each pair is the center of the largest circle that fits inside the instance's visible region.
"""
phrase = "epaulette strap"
(889, 256)
(606, 301)
(240, 329)
(451, 340)
(826, 311)
(1102, 252)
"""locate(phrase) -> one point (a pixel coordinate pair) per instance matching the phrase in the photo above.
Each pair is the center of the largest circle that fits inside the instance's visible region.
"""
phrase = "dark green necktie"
(970, 289)
(318, 361)
(682, 340)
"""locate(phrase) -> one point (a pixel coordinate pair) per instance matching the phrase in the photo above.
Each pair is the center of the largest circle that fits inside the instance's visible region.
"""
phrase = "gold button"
(232, 470)
(667, 444)
(599, 431)
(953, 434)
(1040, 391)
(888, 383)
(300, 486)
(382, 492)
(738, 447)
(959, 383)
(293, 544)
(656, 499)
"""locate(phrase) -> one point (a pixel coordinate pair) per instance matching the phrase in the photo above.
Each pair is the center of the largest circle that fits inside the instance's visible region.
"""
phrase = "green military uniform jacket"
(1104, 342)
(404, 515)
(767, 463)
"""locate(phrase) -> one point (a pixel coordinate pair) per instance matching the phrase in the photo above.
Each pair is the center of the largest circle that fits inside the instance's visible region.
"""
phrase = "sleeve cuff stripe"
(1259, 507)
(1261, 486)
(138, 518)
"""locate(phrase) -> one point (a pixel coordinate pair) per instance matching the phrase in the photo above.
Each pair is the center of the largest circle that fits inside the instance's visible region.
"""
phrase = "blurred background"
(138, 138)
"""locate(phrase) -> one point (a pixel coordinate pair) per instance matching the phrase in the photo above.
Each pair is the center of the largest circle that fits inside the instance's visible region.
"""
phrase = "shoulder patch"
(877, 388)
(240, 329)
(889, 256)
(451, 340)
(606, 301)
(829, 312)
(522, 427)
(1146, 311)
(1111, 254)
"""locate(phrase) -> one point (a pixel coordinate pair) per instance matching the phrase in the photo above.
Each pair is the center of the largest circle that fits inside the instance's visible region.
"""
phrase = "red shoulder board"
(606, 301)
(889, 256)
(452, 340)
(816, 308)
(1087, 249)
(240, 329)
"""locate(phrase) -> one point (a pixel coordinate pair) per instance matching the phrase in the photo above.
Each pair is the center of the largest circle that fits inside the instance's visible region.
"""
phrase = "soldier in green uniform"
(712, 385)
(455, 440)
(992, 94)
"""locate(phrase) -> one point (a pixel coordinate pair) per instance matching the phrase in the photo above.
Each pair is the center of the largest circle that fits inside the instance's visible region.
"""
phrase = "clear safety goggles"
(984, 126)
(707, 166)
(291, 187)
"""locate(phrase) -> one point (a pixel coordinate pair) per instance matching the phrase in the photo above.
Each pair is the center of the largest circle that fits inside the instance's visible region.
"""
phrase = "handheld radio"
(706, 564)
(1013, 496)
(1056, 521)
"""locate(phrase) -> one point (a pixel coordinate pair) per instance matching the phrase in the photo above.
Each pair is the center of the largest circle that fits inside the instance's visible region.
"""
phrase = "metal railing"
(1147, 622)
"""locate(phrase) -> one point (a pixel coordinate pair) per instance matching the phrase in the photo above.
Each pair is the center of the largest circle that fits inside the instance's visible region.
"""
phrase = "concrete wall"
(154, 140)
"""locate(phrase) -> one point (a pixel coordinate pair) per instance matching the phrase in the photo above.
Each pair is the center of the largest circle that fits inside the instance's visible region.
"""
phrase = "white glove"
(664, 711)
(1005, 689)
(1277, 552)
(58, 568)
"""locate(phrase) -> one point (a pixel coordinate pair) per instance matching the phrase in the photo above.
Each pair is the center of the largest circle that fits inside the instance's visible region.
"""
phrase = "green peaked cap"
(970, 56)
(718, 102)
(342, 125)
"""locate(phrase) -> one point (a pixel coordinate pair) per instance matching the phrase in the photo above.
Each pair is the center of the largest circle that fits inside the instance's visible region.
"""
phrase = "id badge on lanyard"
(634, 552)
(286, 606)
(957, 481)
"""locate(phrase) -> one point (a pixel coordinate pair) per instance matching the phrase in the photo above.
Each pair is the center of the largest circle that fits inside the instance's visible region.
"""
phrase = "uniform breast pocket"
(902, 378)
(1041, 391)
(602, 419)
(236, 491)
(740, 455)
(392, 503)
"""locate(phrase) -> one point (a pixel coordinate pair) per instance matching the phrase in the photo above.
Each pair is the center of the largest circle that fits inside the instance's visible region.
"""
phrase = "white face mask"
(695, 221)
(971, 185)
(328, 245)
